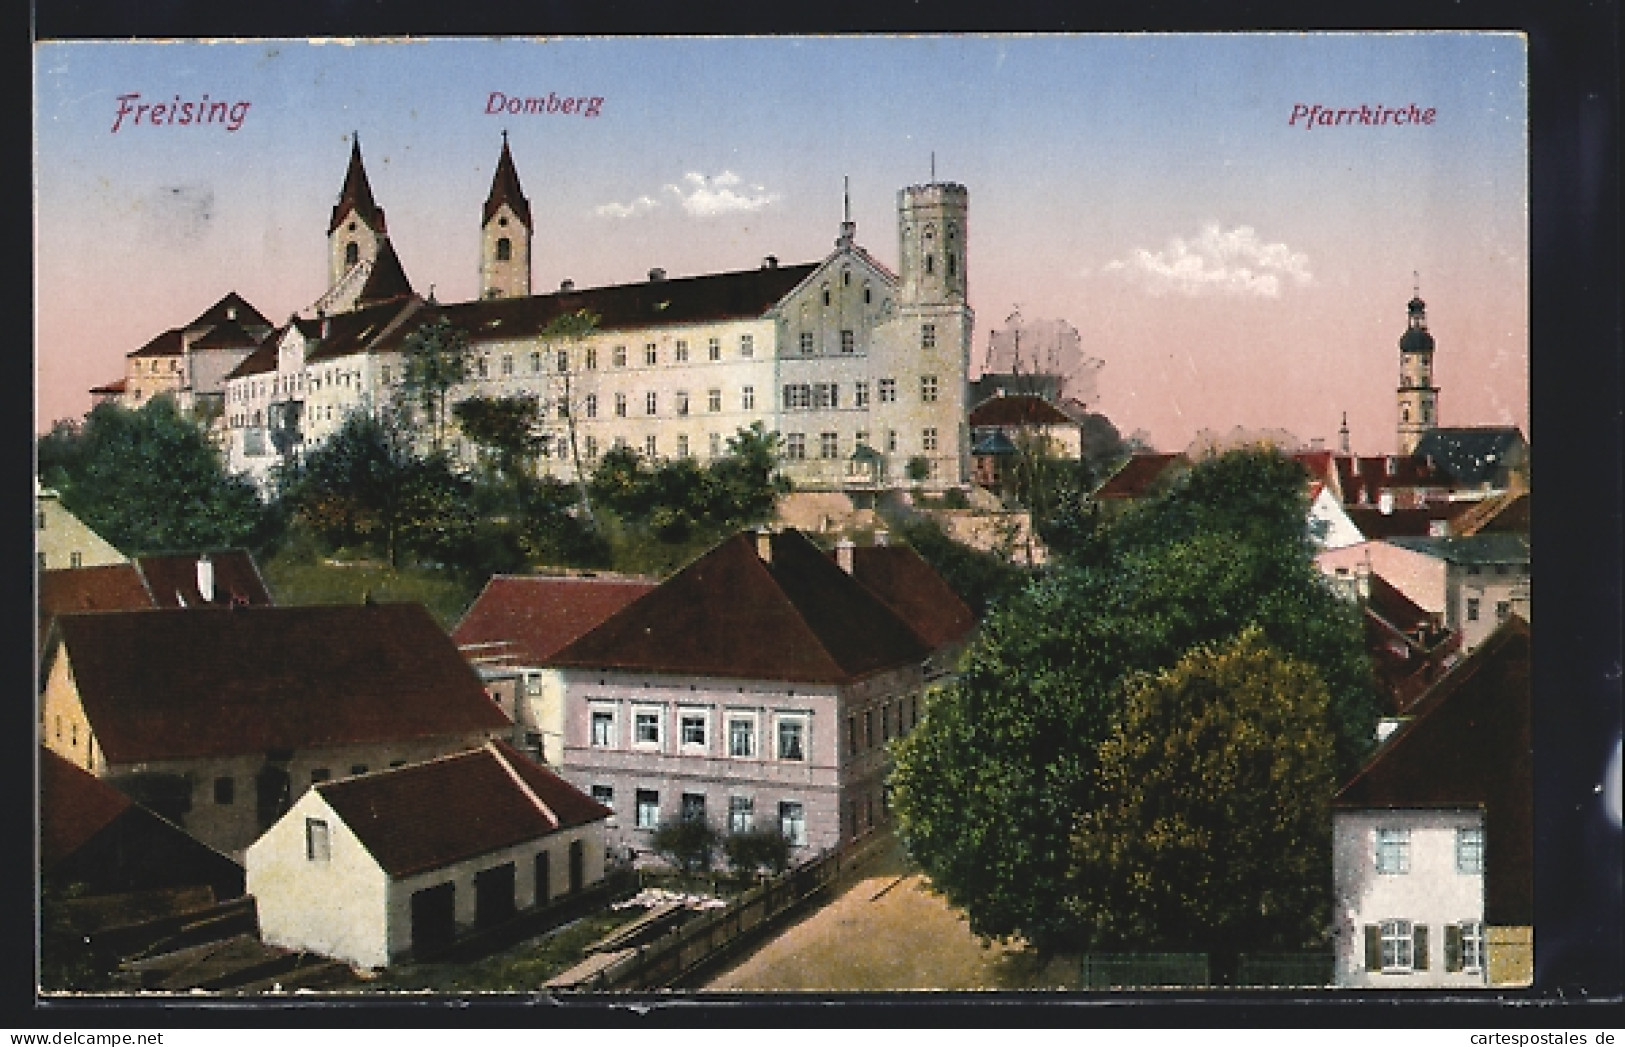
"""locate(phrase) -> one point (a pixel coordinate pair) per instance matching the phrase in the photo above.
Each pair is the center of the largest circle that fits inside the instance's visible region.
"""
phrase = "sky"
(1226, 260)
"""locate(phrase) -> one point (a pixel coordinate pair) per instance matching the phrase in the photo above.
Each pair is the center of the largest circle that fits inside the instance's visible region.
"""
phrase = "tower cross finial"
(846, 198)
(1416, 284)
(933, 165)
(504, 136)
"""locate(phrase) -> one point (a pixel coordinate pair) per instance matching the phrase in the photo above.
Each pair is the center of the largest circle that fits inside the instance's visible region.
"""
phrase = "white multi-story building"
(860, 370)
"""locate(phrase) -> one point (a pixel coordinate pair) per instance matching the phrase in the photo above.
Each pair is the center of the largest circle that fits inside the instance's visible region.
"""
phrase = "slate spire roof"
(505, 189)
(387, 281)
(734, 613)
(357, 195)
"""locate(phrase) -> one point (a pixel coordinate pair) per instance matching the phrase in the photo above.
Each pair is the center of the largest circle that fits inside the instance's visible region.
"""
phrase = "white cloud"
(1233, 262)
(708, 197)
(642, 205)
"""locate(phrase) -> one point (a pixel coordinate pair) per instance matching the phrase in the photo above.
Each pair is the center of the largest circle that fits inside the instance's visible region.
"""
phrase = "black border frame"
(1576, 357)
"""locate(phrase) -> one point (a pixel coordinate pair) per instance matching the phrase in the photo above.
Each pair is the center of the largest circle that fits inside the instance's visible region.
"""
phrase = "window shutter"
(1421, 963)
(1373, 947)
(1452, 947)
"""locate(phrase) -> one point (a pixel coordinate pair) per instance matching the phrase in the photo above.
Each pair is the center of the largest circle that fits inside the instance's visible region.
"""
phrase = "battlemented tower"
(933, 309)
(505, 233)
(1418, 396)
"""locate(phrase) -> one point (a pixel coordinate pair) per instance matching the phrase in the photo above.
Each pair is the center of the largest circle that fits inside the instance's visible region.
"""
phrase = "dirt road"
(884, 931)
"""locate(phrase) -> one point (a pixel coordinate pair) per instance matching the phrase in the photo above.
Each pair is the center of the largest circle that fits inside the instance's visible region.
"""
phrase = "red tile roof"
(356, 194)
(429, 815)
(113, 388)
(1321, 465)
(1017, 411)
(228, 335)
(914, 591)
(262, 360)
(1415, 521)
(799, 618)
(505, 190)
(114, 587)
(170, 684)
(1363, 479)
(526, 619)
(1469, 745)
(74, 806)
(1497, 513)
(172, 579)
(1139, 474)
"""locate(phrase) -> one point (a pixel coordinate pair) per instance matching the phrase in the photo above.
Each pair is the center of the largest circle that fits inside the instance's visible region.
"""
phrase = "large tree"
(991, 787)
(434, 361)
(150, 481)
(368, 483)
(1212, 826)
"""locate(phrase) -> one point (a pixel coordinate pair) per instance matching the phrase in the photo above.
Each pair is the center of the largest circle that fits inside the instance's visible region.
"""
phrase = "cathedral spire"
(505, 189)
(357, 194)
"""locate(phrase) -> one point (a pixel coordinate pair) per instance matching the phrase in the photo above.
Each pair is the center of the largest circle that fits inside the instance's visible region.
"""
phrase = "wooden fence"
(1192, 970)
(684, 957)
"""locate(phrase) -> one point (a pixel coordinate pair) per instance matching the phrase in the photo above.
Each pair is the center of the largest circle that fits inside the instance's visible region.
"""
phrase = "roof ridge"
(524, 786)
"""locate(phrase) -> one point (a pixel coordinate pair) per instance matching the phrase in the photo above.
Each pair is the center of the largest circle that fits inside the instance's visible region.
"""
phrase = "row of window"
(792, 820)
(1503, 609)
(225, 786)
(650, 731)
(1394, 851)
(802, 396)
(681, 403)
(895, 718)
(1401, 947)
(829, 443)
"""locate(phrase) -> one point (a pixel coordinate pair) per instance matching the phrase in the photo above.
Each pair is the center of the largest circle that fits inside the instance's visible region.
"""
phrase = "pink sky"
(1228, 267)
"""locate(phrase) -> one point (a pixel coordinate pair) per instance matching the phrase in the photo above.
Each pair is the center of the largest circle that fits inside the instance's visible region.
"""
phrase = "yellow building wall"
(59, 535)
(63, 726)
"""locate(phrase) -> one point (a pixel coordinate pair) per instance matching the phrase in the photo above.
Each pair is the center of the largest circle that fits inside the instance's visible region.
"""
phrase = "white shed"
(371, 868)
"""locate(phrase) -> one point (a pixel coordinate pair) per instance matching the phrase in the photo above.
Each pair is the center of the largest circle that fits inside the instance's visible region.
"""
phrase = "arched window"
(504, 249)
(352, 253)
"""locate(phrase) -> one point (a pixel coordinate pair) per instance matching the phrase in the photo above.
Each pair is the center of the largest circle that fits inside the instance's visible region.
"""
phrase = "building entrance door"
(434, 919)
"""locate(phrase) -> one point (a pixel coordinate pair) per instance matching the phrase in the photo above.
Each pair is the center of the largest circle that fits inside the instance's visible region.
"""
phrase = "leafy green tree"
(748, 479)
(568, 331)
(151, 481)
(982, 579)
(434, 361)
(505, 428)
(368, 483)
(688, 843)
(756, 851)
(1212, 826)
(991, 787)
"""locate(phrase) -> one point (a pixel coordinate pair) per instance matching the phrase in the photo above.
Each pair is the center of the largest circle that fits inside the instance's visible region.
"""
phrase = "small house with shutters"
(1433, 841)
(372, 868)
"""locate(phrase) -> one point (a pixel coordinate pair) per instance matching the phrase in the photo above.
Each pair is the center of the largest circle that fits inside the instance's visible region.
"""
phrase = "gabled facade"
(220, 720)
(757, 688)
(190, 363)
(62, 540)
(1433, 841)
(517, 623)
(373, 868)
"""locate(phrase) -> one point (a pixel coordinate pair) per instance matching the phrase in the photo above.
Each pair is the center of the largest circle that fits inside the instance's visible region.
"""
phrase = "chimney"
(845, 552)
(205, 578)
(770, 262)
(567, 285)
(882, 539)
(1385, 503)
(656, 275)
(764, 544)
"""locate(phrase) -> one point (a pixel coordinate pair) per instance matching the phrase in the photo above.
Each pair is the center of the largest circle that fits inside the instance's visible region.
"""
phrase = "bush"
(688, 843)
(758, 850)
